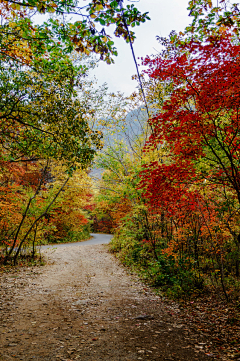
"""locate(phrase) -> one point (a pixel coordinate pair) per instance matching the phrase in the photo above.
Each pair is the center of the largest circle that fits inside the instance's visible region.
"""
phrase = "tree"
(25, 41)
(199, 129)
(212, 17)
(68, 218)
(41, 116)
(199, 121)
(44, 110)
(39, 77)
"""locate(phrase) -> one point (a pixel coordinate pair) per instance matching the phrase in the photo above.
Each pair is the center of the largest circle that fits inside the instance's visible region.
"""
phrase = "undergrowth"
(24, 260)
(176, 278)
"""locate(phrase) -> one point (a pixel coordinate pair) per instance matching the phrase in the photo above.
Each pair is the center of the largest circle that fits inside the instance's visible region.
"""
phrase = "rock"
(144, 317)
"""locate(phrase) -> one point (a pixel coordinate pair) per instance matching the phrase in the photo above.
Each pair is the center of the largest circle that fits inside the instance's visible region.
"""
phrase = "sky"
(166, 15)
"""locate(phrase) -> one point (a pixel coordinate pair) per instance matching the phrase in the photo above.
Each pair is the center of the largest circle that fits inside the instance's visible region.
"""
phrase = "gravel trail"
(84, 306)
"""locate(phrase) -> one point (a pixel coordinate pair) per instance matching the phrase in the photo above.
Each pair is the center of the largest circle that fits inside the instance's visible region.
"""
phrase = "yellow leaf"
(51, 10)
(99, 7)
(12, 24)
(86, 51)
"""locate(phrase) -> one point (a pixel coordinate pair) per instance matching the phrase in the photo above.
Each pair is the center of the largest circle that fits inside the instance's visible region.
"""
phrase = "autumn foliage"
(182, 231)
(36, 209)
(194, 185)
(108, 217)
(199, 123)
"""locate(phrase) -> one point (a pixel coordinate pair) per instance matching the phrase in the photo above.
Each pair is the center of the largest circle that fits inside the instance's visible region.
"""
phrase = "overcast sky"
(166, 15)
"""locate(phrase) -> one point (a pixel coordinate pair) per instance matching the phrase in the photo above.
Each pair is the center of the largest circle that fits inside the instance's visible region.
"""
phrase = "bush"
(69, 235)
(177, 278)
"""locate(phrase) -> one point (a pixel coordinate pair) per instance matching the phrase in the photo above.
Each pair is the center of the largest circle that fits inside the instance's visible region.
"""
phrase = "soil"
(83, 305)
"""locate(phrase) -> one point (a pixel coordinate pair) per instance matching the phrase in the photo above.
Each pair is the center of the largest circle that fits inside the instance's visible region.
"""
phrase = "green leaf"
(102, 22)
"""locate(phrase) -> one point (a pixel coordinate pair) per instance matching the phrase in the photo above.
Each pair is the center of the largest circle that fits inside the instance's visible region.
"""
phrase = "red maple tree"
(199, 120)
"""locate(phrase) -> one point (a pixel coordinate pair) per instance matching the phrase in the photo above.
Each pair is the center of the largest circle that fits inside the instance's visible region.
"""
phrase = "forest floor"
(83, 305)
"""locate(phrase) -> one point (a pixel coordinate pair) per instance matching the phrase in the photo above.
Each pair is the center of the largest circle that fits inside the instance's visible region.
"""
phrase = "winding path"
(96, 238)
(84, 306)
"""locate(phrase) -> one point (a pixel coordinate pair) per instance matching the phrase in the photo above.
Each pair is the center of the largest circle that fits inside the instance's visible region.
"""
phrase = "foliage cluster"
(48, 111)
(182, 229)
(36, 209)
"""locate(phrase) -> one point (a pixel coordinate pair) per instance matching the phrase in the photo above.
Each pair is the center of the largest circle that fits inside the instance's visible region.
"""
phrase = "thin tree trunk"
(21, 223)
(37, 220)
(34, 239)
(238, 255)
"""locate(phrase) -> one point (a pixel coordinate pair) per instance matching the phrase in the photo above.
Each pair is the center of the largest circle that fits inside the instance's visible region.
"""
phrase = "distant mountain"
(135, 125)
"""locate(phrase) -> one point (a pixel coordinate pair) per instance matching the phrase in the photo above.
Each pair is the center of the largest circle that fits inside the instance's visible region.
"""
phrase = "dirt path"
(84, 306)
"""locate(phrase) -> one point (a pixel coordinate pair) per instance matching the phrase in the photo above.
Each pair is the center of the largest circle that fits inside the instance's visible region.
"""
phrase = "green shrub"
(177, 278)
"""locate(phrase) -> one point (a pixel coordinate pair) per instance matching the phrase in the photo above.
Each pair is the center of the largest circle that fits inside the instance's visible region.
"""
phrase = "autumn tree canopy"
(199, 121)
